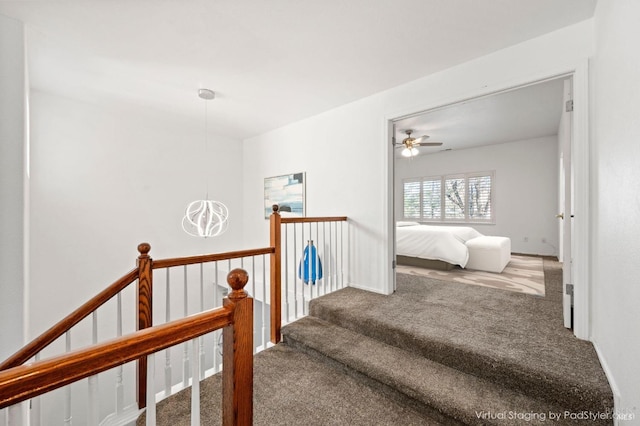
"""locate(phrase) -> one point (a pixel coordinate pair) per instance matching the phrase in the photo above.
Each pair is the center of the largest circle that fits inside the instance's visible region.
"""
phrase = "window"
(453, 198)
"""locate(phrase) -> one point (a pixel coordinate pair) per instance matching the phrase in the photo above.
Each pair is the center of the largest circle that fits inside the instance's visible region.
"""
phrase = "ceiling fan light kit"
(410, 152)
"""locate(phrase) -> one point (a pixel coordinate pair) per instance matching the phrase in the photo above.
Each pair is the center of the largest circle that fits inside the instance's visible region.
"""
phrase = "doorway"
(518, 137)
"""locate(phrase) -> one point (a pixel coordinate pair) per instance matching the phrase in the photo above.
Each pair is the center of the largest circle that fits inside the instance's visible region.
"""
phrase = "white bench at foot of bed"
(489, 254)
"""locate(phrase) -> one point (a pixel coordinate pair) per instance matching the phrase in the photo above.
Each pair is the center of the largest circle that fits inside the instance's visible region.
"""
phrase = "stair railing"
(24, 382)
(144, 275)
(310, 260)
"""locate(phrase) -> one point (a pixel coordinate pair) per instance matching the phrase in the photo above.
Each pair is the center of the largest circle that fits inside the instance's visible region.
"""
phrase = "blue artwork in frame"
(287, 191)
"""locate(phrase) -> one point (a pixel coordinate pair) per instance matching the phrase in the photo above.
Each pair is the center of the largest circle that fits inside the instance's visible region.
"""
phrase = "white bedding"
(446, 243)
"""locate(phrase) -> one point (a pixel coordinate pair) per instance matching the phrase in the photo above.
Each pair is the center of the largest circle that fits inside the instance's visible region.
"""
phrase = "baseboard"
(359, 287)
(544, 256)
(617, 398)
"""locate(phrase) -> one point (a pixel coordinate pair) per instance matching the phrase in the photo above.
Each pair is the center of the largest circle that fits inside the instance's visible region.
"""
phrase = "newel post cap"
(237, 279)
(144, 249)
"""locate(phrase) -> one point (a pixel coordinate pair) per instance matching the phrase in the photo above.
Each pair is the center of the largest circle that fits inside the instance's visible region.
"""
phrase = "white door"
(566, 204)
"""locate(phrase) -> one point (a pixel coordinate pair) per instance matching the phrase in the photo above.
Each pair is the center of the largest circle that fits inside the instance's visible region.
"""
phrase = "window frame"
(443, 179)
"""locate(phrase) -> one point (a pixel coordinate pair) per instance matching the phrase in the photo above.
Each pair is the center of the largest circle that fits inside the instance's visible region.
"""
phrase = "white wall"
(12, 184)
(616, 199)
(104, 179)
(345, 151)
(525, 188)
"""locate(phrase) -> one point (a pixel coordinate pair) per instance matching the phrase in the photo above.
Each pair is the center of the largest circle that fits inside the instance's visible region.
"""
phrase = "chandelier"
(205, 218)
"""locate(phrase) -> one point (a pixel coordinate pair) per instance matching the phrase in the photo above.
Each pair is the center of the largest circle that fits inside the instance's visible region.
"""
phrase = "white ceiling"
(526, 113)
(271, 62)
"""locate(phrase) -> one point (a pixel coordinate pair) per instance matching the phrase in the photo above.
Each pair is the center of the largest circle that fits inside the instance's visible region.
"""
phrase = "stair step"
(466, 398)
(293, 388)
(477, 336)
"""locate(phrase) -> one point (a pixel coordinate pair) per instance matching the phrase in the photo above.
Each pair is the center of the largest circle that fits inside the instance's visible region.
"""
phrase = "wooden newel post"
(237, 354)
(276, 275)
(144, 299)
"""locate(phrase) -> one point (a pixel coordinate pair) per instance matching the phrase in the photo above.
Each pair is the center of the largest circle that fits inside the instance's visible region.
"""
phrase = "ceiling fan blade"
(428, 144)
(421, 139)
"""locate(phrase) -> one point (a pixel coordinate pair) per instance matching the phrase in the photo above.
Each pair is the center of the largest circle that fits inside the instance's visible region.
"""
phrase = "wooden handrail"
(313, 219)
(46, 338)
(143, 274)
(27, 381)
(40, 342)
(235, 318)
(180, 261)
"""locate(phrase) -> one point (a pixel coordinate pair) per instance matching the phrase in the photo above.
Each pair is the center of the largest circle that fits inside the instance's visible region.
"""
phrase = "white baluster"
(151, 395)
(216, 303)
(201, 341)
(286, 272)
(67, 389)
(264, 303)
(295, 272)
(119, 369)
(15, 414)
(195, 384)
(252, 278)
(325, 270)
(342, 253)
(301, 266)
(185, 353)
(36, 405)
(93, 411)
(167, 352)
(330, 270)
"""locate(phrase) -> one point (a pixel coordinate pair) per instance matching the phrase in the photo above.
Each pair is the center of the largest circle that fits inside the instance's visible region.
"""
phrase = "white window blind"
(411, 201)
(480, 197)
(454, 190)
(452, 198)
(432, 199)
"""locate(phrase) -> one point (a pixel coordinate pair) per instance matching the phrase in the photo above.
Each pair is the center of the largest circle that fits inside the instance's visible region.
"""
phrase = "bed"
(435, 247)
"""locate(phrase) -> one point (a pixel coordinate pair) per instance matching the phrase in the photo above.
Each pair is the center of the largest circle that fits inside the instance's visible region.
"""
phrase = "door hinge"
(393, 140)
(569, 290)
(393, 264)
(569, 106)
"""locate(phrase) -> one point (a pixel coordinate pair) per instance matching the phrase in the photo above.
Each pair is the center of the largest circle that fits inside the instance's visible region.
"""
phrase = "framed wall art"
(287, 191)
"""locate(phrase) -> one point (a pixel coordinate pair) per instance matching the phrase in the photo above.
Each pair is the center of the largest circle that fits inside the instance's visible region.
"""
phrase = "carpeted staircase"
(432, 353)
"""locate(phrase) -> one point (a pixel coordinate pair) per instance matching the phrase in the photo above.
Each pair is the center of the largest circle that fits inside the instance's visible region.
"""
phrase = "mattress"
(445, 243)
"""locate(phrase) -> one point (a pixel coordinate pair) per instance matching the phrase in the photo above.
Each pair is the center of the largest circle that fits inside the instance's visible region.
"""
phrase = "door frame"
(580, 154)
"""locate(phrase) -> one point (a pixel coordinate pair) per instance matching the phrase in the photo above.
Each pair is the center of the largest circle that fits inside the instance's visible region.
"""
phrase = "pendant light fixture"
(205, 218)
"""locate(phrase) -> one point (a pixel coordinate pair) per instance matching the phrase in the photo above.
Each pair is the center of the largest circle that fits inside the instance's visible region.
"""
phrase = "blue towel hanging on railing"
(310, 267)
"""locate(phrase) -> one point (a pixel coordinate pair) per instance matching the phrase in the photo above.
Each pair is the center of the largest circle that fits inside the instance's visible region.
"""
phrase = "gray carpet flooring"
(432, 353)
(292, 388)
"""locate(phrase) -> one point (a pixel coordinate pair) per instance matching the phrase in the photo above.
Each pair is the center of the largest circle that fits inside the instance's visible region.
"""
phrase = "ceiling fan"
(410, 144)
